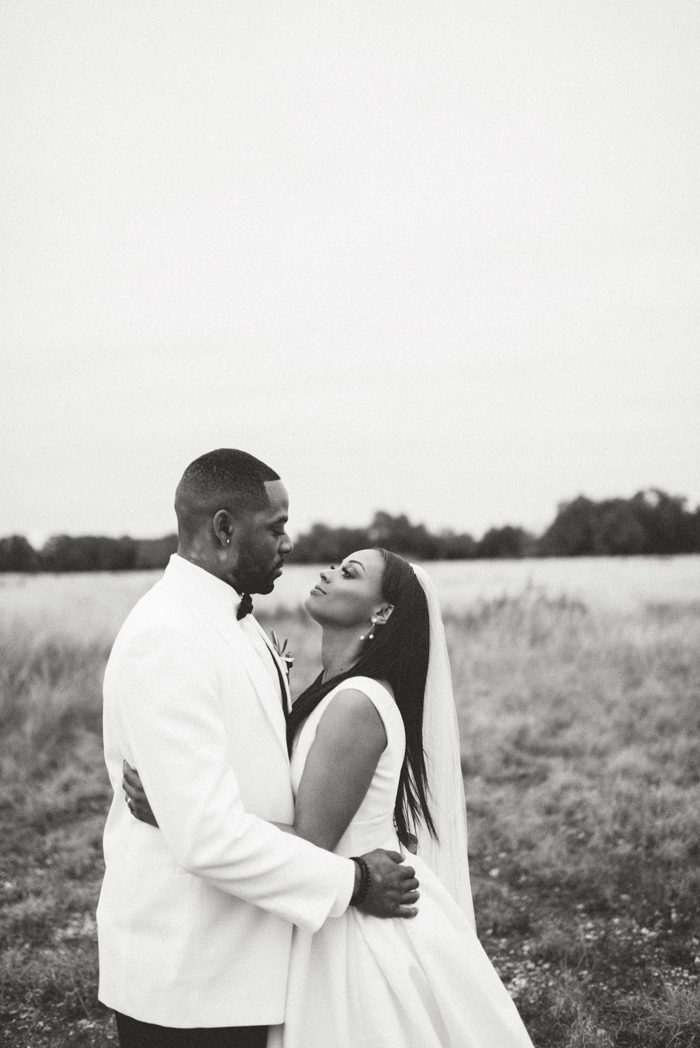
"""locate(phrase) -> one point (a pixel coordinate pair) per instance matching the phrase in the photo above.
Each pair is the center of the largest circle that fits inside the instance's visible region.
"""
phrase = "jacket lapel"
(281, 665)
(221, 616)
(263, 684)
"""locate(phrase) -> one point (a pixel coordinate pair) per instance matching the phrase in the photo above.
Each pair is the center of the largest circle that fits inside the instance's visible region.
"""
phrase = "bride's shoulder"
(360, 683)
(379, 692)
(363, 708)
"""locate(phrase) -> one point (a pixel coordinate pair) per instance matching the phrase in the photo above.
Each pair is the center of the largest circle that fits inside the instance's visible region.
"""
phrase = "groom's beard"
(259, 586)
(255, 577)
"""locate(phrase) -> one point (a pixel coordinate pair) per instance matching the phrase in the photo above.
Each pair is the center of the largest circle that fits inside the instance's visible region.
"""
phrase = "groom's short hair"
(226, 474)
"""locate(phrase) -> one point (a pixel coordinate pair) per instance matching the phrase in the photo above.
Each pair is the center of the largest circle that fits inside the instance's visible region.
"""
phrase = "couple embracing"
(256, 888)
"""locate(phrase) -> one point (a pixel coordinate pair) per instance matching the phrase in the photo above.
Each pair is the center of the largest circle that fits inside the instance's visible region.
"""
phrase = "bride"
(375, 763)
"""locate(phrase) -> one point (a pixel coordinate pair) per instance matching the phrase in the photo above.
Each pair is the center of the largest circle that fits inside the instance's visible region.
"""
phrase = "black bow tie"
(245, 607)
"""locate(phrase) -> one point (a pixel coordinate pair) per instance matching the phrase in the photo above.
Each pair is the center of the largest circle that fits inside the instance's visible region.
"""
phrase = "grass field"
(582, 768)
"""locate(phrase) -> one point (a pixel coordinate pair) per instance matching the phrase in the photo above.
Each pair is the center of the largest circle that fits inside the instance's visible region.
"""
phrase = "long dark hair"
(399, 655)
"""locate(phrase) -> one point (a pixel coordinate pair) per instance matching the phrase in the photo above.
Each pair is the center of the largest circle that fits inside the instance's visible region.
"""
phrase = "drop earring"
(370, 634)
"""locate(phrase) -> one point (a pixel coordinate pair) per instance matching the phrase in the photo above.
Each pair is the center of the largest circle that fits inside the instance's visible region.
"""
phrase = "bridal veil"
(447, 856)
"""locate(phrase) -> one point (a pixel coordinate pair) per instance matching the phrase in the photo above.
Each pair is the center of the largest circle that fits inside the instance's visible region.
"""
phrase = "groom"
(195, 919)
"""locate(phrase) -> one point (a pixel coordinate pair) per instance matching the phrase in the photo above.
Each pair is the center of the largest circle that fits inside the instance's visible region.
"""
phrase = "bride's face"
(350, 593)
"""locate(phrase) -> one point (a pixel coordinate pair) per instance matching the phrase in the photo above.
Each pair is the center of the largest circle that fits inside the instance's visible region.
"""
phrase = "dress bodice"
(372, 825)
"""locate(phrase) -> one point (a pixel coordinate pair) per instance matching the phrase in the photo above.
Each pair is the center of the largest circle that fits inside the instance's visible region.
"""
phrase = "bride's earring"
(370, 635)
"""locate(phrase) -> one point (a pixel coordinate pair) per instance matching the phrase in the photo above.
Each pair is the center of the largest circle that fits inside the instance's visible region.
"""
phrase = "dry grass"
(581, 755)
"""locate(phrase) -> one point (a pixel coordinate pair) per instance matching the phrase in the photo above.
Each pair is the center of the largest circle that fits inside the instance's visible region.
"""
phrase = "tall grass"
(581, 754)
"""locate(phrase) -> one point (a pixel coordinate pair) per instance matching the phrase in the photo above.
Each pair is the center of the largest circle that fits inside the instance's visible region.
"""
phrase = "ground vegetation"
(581, 757)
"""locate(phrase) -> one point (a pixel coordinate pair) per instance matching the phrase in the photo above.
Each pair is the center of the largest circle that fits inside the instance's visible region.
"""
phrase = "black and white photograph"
(350, 524)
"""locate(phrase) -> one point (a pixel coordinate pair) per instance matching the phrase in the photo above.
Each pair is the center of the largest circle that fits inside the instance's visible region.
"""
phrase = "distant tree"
(88, 553)
(392, 533)
(669, 526)
(324, 544)
(570, 534)
(505, 542)
(400, 536)
(154, 553)
(17, 554)
(616, 529)
(453, 546)
(61, 553)
(650, 522)
(693, 531)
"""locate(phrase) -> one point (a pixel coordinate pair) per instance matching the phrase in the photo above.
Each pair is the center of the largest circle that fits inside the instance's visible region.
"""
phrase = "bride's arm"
(339, 767)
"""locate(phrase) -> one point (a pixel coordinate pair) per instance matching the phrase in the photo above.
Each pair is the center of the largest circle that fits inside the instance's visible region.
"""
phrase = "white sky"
(433, 257)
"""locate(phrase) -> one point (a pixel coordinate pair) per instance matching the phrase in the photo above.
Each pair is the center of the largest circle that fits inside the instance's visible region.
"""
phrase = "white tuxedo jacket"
(195, 918)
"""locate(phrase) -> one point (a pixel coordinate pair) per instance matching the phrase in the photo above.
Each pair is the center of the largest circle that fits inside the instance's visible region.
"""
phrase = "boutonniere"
(282, 649)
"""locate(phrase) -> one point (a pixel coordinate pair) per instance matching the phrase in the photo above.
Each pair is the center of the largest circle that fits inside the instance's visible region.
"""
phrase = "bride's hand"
(135, 795)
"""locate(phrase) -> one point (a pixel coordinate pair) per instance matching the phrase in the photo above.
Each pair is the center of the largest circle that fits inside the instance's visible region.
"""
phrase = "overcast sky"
(432, 257)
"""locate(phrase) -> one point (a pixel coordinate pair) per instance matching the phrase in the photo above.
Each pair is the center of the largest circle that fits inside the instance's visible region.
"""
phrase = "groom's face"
(263, 542)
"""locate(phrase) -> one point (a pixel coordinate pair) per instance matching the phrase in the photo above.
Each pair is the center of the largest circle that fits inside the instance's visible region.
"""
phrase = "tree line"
(86, 553)
(651, 522)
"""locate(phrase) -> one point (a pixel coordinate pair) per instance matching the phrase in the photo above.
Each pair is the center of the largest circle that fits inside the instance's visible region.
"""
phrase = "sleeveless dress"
(366, 982)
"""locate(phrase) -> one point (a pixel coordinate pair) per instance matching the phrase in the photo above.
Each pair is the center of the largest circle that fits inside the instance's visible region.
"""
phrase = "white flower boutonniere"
(282, 649)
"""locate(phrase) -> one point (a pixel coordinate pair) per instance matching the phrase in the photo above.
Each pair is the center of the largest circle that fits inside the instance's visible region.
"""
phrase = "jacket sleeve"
(165, 694)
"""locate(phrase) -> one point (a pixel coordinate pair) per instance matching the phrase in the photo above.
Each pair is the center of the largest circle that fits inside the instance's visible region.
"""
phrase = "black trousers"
(135, 1034)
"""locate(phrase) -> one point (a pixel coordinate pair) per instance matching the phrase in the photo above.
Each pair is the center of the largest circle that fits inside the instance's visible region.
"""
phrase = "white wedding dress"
(364, 982)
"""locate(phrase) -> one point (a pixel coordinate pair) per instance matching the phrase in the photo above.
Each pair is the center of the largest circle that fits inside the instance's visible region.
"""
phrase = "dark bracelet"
(359, 896)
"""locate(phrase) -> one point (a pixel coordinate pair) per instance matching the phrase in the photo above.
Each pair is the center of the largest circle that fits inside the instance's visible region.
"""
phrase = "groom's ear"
(224, 527)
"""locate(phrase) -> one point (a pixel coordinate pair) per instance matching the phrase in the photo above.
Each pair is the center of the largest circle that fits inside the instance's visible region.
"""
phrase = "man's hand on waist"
(384, 886)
